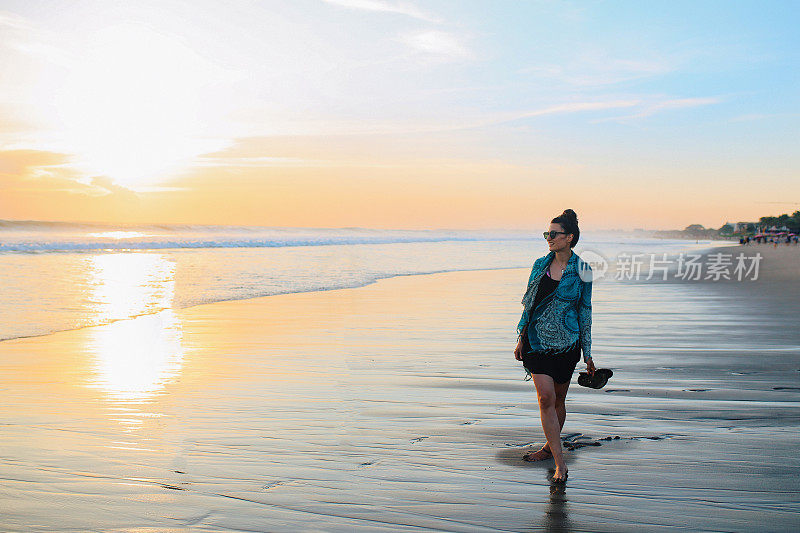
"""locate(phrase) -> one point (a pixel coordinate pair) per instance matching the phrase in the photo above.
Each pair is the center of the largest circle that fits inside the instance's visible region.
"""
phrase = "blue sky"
(643, 113)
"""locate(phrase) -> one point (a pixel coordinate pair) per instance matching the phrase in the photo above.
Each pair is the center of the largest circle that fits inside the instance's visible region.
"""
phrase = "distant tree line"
(693, 231)
(697, 231)
(790, 221)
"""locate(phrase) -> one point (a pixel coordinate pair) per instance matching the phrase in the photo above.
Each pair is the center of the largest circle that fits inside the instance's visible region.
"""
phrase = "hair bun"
(569, 213)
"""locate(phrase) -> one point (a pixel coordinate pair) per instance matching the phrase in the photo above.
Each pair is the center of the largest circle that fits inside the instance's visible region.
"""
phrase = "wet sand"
(398, 406)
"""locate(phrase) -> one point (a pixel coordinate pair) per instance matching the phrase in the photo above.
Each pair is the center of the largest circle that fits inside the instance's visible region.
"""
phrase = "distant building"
(744, 227)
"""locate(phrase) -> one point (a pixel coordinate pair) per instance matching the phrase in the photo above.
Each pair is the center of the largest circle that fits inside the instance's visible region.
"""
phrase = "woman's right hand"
(518, 350)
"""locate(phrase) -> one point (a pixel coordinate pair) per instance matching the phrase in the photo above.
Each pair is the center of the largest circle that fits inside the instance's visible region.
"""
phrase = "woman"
(555, 327)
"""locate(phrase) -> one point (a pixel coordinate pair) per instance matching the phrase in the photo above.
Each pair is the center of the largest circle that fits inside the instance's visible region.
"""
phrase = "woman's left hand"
(590, 367)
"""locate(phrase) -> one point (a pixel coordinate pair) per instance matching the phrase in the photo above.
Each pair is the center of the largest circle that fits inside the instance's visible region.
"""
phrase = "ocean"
(60, 276)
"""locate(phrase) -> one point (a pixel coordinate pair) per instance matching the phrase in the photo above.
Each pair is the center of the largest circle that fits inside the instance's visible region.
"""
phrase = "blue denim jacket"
(556, 325)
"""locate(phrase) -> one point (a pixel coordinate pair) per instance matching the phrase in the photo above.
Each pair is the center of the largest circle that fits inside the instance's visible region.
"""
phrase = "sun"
(133, 106)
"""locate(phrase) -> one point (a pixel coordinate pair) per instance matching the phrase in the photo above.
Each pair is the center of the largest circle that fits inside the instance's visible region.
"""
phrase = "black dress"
(559, 366)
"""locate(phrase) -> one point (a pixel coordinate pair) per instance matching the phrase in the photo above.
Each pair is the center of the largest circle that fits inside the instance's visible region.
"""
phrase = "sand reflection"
(134, 357)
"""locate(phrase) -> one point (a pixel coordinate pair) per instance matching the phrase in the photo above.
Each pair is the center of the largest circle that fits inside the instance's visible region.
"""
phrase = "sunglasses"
(553, 234)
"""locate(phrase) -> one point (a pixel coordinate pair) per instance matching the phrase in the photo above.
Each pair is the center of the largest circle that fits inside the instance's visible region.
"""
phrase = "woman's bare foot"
(560, 474)
(539, 455)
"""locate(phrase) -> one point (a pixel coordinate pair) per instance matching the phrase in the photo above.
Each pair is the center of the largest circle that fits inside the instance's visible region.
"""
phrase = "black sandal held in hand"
(597, 380)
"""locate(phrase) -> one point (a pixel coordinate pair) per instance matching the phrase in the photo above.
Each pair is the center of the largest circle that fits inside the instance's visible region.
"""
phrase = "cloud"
(437, 44)
(213, 160)
(21, 35)
(14, 21)
(678, 104)
(312, 143)
(594, 67)
(653, 108)
(104, 182)
(571, 107)
(29, 163)
(646, 109)
(599, 71)
(575, 107)
(40, 171)
(400, 8)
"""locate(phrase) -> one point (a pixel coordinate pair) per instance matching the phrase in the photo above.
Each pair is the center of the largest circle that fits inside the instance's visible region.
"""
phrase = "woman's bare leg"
(545, 390)
(561, 406)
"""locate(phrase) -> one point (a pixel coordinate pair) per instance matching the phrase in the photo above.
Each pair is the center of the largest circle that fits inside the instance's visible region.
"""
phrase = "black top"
(547, 286)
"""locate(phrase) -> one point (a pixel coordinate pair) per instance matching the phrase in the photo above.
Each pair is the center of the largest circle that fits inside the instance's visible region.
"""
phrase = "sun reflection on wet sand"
(136, 357)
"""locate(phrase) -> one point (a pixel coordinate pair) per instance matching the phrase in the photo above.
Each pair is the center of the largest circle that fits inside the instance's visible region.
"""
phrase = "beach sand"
(399, 406)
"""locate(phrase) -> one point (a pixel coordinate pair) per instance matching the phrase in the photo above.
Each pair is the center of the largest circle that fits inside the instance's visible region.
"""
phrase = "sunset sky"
(399, 114)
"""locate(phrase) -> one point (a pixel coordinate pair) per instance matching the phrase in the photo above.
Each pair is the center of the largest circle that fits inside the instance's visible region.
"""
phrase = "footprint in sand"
(270, 486)
(579, 445)
(171, 487)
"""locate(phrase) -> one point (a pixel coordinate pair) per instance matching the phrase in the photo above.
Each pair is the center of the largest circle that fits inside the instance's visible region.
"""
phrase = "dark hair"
(569, 221)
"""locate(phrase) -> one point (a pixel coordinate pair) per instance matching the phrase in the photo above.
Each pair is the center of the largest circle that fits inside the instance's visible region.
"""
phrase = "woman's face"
(560, 241)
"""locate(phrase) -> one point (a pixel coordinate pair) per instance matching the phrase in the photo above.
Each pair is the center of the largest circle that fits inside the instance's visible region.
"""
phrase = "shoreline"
(311, 291)
(322, 290)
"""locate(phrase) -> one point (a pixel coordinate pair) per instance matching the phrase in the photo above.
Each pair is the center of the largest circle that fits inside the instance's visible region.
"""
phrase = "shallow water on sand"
(53, 287)
(399, 406)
